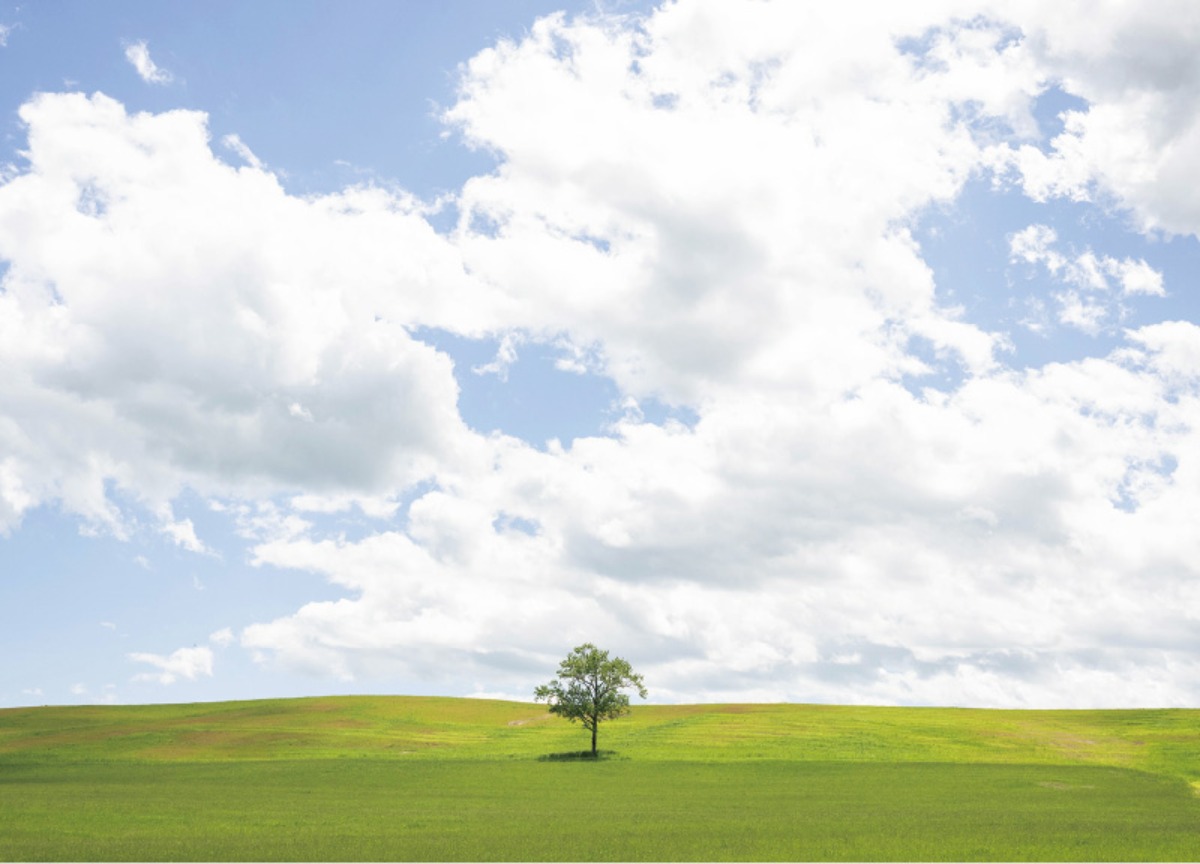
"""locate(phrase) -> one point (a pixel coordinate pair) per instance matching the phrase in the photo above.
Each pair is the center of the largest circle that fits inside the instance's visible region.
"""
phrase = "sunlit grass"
(605, 810)
(1160, 741)
(360, 778)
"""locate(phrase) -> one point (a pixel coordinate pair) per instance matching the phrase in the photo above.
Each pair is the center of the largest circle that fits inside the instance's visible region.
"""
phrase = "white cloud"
(138, 55)
(830, 537)
(1034, 245)
(740, 557)
(183, 533)
(1136, 277)
(1137, 139)
(5, 32)
(222, 638)
(14, 498)
(180, 531)
(683, 251)
(300, 412)
(278, 307)
(506, 355)
(1082, 312)
(189, 663)
(1174, 348)
(1094, 283)
(714, 207)
(234, 142)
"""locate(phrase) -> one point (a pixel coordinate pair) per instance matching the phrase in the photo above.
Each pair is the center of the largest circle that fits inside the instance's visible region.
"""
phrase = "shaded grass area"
(594, 810)
(579, 756)
(361, 778)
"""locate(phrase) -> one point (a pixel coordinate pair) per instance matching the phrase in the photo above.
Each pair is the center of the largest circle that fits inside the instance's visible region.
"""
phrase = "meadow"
(399, 778)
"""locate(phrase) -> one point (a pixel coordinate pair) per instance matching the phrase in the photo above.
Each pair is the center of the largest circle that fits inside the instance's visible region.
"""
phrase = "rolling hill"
(355, 778)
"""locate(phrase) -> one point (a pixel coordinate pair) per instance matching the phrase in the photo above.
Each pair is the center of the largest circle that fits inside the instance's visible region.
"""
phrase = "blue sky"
(792, 354)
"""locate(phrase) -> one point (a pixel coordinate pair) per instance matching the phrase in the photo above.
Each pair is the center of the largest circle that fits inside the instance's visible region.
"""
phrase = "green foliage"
(588, 688)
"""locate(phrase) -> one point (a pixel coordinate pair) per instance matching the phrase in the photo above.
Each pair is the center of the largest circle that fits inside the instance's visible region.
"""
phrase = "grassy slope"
(396, 777)
(1157, 741)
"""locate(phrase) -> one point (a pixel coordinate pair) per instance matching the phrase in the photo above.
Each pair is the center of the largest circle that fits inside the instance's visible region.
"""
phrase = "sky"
(825, 353)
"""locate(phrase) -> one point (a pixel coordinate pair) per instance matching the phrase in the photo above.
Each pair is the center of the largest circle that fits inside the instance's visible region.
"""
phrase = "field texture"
(363, 778)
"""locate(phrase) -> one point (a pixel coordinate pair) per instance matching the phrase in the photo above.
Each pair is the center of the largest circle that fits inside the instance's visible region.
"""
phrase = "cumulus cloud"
(234, 142)
(714, 206)
(750, 559)
(188, 663)
(683, 251)
(506, 355)
(1094, 283)
(182, 533)
(178, 321)
(740, 554)
(1135, 143)
(138, 55)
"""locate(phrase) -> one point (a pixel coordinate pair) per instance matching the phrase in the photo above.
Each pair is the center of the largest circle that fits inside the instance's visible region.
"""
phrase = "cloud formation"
(189, 663)
(138, 55)
(1135, 143)
(178, 321)
(716, 205)
(1094, 284)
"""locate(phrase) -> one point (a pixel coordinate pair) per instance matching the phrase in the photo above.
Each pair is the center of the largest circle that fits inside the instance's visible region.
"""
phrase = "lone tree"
(588, 688)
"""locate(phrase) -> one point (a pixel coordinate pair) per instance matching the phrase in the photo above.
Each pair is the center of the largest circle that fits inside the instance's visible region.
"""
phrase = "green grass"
(366, 778)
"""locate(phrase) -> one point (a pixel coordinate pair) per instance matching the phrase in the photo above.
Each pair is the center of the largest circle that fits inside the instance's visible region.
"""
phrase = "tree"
(588, 688)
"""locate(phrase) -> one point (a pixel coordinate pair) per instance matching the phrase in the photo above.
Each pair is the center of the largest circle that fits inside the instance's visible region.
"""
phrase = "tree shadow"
(579, 756)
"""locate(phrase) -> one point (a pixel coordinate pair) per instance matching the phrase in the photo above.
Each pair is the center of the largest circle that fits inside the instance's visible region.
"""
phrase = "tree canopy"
(588, 688)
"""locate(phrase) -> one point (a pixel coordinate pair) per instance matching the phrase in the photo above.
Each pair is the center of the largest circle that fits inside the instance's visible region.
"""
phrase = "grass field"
(361, 778)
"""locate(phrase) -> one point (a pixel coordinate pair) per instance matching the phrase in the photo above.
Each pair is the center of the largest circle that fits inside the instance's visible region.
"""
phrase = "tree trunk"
(594, 738)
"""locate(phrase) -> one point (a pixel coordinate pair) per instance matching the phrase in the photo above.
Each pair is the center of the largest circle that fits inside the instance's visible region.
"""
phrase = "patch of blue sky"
(534, 398)
(327, 94)
(228, 570)
(661, 413)
(508, 522)
(945, 371)
(967, 244)
(351, 523)
(102, 588)
(920, 47)
(968, 247)
(401, 518)
(1049, 110)
(113, 597)
(1126, 497)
